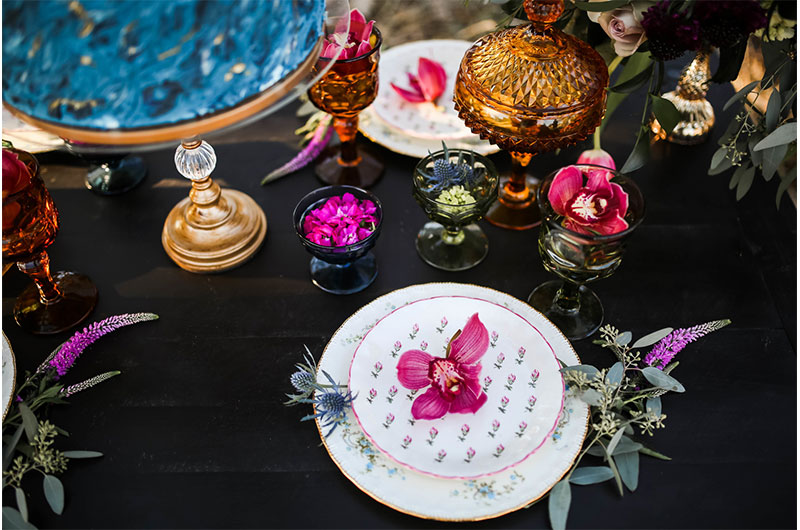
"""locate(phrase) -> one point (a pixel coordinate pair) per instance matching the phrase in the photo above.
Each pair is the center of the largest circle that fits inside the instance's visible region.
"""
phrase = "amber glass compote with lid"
(530, 89)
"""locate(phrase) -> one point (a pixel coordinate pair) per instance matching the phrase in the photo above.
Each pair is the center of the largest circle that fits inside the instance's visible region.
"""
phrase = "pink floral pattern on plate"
(473, 440)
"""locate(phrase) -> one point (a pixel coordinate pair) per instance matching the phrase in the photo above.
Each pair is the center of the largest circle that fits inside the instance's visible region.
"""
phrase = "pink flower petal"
(366, 33)
(598, 182)
(432, 78)
(356, 17)
(470, 371)
(429, 406)
(363, 48)
(597, 157)
(413, 368)
(565, 185)
(413, 97)
(414, 82)
(612, 225)
(471, 398)
(471, 343)
(619, 199)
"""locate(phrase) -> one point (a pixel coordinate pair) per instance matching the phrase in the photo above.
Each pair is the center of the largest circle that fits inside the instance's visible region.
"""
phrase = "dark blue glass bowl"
(339, 270)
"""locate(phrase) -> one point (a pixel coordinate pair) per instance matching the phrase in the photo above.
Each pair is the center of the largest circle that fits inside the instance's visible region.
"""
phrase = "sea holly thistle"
(622, 399)
(28, 440)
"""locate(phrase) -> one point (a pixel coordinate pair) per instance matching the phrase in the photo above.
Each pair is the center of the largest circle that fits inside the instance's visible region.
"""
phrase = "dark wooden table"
(194, 433)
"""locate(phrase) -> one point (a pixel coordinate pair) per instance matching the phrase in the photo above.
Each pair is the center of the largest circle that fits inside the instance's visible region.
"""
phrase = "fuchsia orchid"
(590, 203)
(355, 42)
(454, 380)
(428, 85)
(597, 157)
(340, 221)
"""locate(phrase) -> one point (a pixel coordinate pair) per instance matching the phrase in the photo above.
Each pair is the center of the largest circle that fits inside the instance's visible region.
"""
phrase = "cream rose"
(623, 25)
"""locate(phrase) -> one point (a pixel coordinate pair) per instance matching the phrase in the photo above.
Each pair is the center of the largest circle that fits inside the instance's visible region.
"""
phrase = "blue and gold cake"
(132, 64)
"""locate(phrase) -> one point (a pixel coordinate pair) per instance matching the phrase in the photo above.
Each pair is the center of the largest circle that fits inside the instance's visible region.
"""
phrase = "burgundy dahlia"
(725, 23)
(670, 32)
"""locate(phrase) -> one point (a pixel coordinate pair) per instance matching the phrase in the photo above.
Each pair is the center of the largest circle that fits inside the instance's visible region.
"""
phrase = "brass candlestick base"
(212, 230)
(689, 97)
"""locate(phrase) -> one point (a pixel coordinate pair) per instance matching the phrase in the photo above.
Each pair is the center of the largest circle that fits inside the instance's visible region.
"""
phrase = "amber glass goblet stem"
(516, 188)
(347, 128)
(38, 269)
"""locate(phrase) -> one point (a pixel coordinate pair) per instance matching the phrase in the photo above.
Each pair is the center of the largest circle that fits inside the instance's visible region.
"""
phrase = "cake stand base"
(218, 247)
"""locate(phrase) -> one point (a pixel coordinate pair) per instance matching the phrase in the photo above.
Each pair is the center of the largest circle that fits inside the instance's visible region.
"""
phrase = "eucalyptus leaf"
(771, 159)
(651, 338)
(22, 503)
(626, 445)
(784, 185)
(617, 478)
(655, 454)
(773, 111)
(615, 373)
(640, 154)
(13, 519)
(614, 441)
(588, 369)
(8, 450)
(592, 397)
(661, 380)
(665, 112)
(28, 421)
(624, 338)
(785, 134)
(719, 156)
(628, 429)
(596, 450)
(82, 454)
(558, 504)
(745, 181)
(653, 404)
(583, 476)
(634, 83)
(755, 156)
(724, 166)
(54, 493)
(628, 466)
(735, 178)
(740, 95)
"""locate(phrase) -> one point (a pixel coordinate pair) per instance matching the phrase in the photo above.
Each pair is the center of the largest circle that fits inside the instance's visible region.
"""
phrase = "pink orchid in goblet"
(427, 85)
(454, 380)
(355, 42)
(589, 203)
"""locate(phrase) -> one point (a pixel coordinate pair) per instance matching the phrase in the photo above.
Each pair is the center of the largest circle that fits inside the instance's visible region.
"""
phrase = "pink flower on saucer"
(454, 380)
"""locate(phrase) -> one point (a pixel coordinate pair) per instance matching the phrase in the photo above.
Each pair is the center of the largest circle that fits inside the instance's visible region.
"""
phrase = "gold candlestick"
(212, 230)
(689, 97)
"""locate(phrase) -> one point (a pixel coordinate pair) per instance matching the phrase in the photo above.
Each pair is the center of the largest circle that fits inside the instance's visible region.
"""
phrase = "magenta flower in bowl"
(339, 225)
(453, 381)
(588, 214)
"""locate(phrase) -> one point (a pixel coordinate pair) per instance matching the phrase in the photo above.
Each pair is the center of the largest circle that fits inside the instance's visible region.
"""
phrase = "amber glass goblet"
(344, 91)
(54, 302)
(530, 89)
(578, 259)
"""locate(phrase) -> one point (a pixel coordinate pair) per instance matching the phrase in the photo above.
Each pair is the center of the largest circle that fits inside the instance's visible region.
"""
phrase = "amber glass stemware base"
(76, 297)
(516, 207)
(348, 163)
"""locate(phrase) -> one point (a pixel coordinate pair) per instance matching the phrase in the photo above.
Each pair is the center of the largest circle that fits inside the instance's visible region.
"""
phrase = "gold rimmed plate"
(449, 499)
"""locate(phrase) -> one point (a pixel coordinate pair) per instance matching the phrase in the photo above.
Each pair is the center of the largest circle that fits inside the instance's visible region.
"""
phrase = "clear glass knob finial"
(195, 159)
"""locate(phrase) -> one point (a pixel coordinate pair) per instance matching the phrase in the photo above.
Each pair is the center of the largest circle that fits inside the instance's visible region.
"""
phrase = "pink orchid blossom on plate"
(427, 85)
(589, 203)
(355, 43)
(454, 380)
(597, 157)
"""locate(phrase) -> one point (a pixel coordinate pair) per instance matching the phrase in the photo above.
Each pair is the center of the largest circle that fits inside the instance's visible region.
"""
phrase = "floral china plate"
(456, 386)
(437, 120)
(9, 374)
(449, 499)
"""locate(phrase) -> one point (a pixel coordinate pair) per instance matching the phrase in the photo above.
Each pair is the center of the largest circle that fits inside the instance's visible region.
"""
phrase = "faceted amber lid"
(532, 88)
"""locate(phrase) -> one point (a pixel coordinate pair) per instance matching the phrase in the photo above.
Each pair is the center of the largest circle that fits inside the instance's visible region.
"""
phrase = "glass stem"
(38, 268)
(452, 235)
(347, 128)
(568, 298)
(516, 188)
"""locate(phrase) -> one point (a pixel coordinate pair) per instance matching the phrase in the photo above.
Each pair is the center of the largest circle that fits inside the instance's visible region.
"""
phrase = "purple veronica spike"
(663, 352)
(71, 350)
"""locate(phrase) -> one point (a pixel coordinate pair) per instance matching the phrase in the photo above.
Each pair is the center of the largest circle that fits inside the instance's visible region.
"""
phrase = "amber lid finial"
(544, 11)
